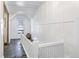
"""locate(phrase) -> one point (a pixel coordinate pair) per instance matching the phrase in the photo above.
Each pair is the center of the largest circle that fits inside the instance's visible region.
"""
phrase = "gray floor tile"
(14, 50)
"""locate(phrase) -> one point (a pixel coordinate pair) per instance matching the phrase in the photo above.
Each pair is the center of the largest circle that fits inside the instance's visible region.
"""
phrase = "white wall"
(13, 28)
(50, 22)
(70, 17)
(27, 26)
(1, 29)
(58, 21)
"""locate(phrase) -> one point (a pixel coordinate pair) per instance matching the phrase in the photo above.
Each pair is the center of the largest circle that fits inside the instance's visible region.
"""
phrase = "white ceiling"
(28, 9)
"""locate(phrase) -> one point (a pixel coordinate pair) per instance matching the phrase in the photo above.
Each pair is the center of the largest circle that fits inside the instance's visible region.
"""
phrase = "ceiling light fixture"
(20, 3)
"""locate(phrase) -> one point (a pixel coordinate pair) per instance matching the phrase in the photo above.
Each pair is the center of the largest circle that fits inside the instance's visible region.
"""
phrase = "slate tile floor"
(14, 50)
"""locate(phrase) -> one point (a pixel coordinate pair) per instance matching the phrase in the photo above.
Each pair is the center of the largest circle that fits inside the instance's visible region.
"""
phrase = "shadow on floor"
(14, 50)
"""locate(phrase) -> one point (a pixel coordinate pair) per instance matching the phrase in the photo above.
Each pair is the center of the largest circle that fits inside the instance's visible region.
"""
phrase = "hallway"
(39, 29)
(14, 50)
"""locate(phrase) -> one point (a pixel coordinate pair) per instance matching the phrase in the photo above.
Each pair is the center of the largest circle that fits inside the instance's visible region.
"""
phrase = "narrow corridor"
(14, 50)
